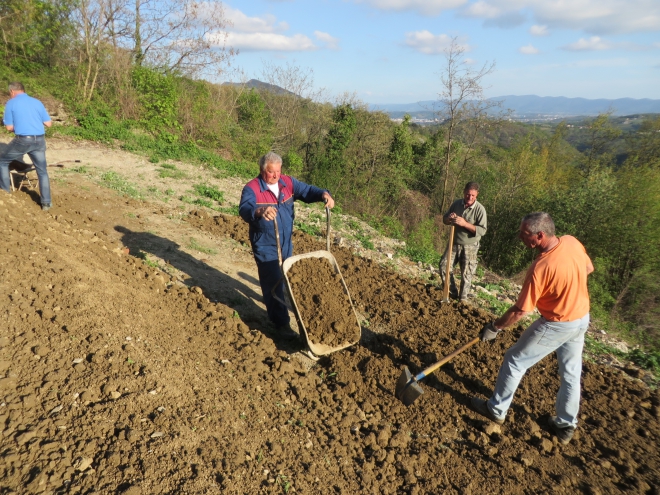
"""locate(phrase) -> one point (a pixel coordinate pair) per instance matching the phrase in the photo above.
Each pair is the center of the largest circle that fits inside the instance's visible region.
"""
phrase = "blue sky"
(392, 51)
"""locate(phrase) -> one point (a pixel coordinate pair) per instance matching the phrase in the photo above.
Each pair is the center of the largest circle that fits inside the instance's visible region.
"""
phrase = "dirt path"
(119, 377)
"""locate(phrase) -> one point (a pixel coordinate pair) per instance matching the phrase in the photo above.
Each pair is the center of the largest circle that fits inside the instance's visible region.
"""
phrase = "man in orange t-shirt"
(556, 284)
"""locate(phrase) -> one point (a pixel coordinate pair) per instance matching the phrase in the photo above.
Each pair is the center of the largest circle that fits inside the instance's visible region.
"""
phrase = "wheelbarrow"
(315, 349)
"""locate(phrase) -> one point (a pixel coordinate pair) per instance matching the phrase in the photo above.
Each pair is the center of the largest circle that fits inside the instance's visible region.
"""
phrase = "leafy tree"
(401, 149)
(34, 33)
(254, 134)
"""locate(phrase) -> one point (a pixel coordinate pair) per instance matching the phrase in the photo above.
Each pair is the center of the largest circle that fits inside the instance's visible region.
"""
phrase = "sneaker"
(564, 434)
(46, 206)
(481, 406)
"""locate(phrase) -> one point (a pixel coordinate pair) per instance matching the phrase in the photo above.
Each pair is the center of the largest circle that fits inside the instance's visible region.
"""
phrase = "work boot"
(481, 406)
(563, 434)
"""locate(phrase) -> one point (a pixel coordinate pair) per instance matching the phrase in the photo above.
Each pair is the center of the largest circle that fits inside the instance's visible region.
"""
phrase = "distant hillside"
(256, 84)
(534, 107)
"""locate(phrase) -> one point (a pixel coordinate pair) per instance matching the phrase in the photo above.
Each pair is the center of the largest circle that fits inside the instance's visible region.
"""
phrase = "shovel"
(445, 291)
(408, 387)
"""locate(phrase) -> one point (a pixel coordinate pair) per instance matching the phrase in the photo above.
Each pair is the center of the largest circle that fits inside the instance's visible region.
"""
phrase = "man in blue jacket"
(266, 197)
(26, 117)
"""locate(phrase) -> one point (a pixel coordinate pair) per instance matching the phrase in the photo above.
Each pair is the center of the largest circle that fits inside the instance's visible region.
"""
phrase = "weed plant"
(198, 247)
(210, 192)
(167, 170)
(116, 182)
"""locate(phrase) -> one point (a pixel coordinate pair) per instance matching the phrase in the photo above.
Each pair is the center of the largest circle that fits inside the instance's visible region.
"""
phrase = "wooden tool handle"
(277, 237)
(445, 359)
(445, 291)
(327, 229)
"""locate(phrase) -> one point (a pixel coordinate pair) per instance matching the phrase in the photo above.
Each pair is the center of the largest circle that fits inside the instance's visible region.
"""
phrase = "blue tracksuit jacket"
(262, 233)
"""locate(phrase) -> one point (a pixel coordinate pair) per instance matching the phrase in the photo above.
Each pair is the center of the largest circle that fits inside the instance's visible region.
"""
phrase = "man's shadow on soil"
(216, 285)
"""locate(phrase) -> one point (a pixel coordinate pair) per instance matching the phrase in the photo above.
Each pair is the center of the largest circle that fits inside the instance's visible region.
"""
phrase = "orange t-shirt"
(556, 283)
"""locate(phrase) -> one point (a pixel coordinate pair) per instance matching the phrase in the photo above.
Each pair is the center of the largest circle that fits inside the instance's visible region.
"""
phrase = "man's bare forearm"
(512, 316)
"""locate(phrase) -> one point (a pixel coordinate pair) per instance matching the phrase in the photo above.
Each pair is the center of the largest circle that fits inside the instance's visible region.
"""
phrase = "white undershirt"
(275, 188)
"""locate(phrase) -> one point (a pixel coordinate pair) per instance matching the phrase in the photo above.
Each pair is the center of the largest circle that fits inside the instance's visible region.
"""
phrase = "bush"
(419, 244)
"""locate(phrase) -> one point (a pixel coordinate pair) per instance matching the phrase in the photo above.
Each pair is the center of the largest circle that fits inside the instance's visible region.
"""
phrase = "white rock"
(84, 463)
(78, 360)
(56, 409)
(157, 434)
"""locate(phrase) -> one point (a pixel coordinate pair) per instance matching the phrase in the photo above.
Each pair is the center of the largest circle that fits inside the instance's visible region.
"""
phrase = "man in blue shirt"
(26, 117)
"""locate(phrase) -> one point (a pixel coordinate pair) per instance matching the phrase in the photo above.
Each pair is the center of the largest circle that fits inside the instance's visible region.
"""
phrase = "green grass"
(101, 127)
(359, 235)
(116, 182)
(210, 192)
(145, 258)
(649, 361)
(229, 210)
(169, 171)
(308, 228)
(198, 247)
(495, 305)
(197, 201)
(80, 170)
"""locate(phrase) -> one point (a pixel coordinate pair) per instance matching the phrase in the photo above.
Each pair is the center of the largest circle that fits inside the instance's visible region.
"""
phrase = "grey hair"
(270, 157)
(471, 186)
(539, 221)
(16, 86)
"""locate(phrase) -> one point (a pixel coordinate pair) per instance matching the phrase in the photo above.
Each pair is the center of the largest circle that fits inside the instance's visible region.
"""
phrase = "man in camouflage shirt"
(468, 217)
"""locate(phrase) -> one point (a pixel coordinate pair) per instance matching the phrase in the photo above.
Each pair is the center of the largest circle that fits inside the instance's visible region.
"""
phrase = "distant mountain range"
(528, 107)
(535, 106)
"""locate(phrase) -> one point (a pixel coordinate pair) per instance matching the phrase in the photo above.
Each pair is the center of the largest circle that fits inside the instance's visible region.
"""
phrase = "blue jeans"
(269, 274)
(35, 148)
(540, 339)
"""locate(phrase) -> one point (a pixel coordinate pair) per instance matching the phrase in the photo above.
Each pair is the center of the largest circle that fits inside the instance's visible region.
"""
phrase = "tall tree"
(462, 108)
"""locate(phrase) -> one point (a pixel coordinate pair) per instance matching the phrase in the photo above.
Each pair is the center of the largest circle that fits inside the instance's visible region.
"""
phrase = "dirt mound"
(325, 307)
(117, 378)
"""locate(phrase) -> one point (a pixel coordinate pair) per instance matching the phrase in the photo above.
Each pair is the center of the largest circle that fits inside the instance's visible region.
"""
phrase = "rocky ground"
(136, 358)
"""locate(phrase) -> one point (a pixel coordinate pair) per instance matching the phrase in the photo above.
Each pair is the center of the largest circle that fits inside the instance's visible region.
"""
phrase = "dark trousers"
(35, 148)
(269, 274)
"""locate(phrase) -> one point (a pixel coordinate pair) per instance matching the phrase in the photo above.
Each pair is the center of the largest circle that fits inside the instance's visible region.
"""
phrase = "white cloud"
(483, 10)
(330, 41)
(424, 7)
(528, 50)
(244, 24)
(269, 42)
(597, 43)
(596, 17)
(537, 30)
(429, 43)
(591, 44)
(265, 33)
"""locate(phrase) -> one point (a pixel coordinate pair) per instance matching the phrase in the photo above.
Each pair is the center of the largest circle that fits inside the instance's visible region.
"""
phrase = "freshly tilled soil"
(117, 378)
